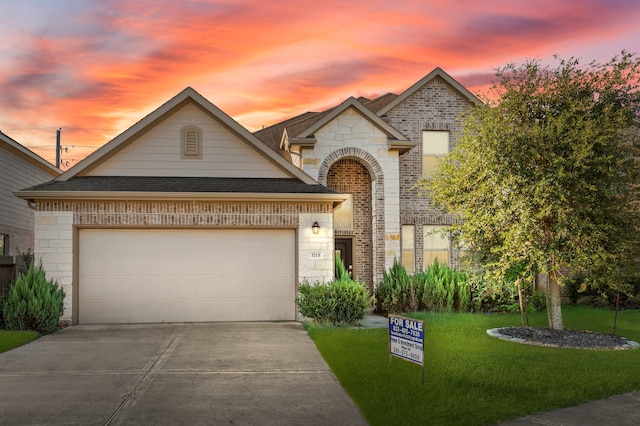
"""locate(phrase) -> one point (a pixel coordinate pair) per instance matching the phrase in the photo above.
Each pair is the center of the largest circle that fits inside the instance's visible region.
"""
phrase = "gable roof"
(272, 135)
(352, 103)
(305, 125)
(378, 103)
(186, 96)
(26, 154)
(437, 72)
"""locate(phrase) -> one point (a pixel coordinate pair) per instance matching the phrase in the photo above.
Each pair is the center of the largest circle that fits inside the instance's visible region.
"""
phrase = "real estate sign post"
(406, 339)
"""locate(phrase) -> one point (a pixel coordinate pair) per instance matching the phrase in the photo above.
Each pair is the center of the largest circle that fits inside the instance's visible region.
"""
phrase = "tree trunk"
(554, 306)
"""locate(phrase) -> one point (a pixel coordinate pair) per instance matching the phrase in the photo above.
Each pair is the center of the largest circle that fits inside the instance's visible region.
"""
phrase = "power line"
(67, 146)
(65, 128)
(33, 128)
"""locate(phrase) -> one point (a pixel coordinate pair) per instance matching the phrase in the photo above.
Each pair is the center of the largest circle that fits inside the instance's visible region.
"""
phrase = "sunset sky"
(95, 67)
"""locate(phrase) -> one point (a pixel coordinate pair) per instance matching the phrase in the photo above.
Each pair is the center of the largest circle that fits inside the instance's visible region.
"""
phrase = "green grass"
(474, 379)
(13, 339)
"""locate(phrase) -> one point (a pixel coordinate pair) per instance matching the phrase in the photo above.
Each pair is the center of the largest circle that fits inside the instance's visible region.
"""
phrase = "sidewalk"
(618, 410)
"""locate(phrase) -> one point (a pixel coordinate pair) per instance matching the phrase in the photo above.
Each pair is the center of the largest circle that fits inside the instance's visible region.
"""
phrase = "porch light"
(315, 227)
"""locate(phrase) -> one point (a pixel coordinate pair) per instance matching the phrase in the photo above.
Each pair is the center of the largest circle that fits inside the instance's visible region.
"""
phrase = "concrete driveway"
(195, 374)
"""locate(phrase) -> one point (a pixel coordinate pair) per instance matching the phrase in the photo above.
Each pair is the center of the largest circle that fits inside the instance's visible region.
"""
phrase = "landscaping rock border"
(575, 339)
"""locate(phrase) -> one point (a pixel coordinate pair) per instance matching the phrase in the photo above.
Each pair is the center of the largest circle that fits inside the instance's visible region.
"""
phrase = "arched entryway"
(349, 176)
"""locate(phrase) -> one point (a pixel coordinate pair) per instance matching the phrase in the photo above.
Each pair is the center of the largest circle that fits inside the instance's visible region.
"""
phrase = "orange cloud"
(95, 68)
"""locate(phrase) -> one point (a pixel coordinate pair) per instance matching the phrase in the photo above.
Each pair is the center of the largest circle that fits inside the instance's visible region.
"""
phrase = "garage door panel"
(186, 275)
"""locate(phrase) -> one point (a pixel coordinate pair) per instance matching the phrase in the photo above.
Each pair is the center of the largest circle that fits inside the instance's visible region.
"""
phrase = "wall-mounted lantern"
(315, 227)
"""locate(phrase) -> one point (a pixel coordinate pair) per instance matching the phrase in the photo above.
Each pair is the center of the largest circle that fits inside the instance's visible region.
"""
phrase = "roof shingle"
(182, 184)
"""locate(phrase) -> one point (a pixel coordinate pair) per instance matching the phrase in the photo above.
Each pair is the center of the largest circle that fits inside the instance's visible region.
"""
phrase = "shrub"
(22, 262)
(34, 303)
(537, 300)
(315, 301)
(3, 300)
(593, 302)
(340, 302)
(582, 293)
(335, 303)
(489, 295)
(396, 292)
(352, 302)
(341, 272)
(442, 289)
(438, 289)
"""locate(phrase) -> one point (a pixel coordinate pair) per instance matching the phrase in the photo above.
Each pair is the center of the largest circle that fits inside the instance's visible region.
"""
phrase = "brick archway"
(369, 237)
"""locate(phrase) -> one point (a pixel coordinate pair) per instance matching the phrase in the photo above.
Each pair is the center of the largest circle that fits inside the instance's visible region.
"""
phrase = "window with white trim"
(408, 237)
(435, 147)
(191, 142)
(435, 245)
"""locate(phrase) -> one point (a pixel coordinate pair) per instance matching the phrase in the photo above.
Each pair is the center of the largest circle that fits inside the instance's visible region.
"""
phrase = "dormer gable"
(306, 137)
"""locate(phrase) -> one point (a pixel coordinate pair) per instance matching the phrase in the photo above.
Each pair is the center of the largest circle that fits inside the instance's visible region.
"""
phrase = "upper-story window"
(435, 146)
(191, 142)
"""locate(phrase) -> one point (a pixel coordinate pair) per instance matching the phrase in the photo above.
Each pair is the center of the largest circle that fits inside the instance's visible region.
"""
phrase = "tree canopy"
(545, 173)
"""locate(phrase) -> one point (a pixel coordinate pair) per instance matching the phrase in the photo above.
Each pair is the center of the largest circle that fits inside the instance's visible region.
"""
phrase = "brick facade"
(20, 240)
(435, 106)
(394, 199)
(349, 176)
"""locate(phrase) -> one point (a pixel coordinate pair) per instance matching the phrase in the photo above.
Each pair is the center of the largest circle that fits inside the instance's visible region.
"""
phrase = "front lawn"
(474, 379)
(13, 339)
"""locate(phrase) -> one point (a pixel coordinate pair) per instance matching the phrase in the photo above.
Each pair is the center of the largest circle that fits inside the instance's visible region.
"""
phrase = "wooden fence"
(7, 274)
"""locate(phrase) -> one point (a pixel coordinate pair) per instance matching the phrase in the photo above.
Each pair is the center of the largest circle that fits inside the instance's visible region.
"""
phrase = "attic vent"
(191, 142)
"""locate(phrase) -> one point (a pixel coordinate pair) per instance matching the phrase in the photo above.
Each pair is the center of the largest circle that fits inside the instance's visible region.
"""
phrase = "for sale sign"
(406, 339)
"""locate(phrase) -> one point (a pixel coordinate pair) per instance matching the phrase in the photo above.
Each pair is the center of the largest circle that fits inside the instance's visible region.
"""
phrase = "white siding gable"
(17, 173)
(158, 152)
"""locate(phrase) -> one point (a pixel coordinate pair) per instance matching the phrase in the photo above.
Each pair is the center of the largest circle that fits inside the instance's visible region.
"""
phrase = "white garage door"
(137, 276)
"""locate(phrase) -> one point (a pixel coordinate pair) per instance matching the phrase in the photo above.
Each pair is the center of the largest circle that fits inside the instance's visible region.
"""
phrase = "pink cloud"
(99, 67)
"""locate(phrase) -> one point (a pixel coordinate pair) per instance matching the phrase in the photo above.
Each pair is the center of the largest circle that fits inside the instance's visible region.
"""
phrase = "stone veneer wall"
(352, 136)
(55, 222)
(351, 177)
(435, 106)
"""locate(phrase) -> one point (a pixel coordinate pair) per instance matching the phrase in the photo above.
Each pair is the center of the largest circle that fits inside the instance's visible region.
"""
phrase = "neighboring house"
(186, 216)
(19, 168)
(376, 151)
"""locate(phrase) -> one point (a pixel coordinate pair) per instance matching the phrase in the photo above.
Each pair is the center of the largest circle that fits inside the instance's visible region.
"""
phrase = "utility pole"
(58, 148)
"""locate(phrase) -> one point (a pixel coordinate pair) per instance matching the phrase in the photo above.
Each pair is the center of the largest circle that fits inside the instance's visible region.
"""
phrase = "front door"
(344, 249)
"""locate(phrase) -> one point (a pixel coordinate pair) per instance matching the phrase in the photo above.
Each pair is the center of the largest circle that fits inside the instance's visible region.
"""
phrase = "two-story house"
(188, 216)
(376, 150)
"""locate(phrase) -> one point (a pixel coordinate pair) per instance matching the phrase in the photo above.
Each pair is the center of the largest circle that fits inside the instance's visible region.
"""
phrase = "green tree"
(543, 173)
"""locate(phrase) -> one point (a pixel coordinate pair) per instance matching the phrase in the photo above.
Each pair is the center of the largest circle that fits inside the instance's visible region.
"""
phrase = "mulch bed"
(578, 339)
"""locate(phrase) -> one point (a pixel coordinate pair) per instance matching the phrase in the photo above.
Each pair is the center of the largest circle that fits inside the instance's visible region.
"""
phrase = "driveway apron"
(195, 374)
